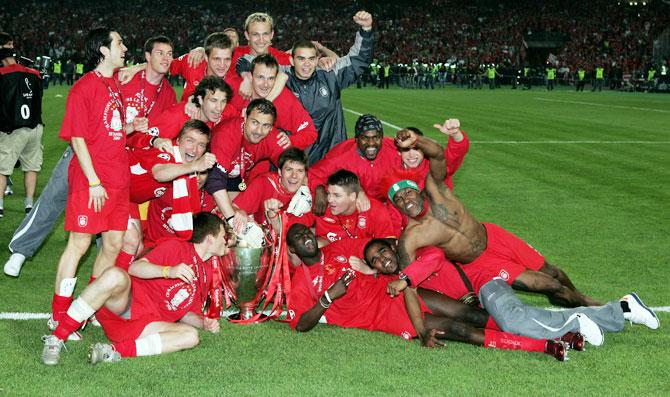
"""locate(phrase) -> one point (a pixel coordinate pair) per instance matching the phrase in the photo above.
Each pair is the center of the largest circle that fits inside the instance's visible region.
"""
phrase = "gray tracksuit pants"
(514, 316)
(39, 222)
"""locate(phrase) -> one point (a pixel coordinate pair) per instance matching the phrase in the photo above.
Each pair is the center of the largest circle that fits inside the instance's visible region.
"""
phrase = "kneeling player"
(158, 308)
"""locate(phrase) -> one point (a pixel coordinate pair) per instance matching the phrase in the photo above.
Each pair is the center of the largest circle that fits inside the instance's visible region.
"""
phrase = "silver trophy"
(246, 273)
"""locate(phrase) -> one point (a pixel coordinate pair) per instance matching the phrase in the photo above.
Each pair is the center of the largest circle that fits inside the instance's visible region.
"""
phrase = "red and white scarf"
(185, 201)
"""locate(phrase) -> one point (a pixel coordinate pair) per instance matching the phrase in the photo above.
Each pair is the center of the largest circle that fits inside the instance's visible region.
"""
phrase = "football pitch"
(583, 177)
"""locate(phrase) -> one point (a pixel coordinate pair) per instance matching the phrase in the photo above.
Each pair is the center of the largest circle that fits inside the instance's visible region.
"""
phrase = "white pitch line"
(539, 142)
(44, 316)
(383, 122)
(603, 105)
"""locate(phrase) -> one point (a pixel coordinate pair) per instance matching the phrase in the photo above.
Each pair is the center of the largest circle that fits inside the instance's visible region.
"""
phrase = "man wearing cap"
(438, 218)
(367, 155)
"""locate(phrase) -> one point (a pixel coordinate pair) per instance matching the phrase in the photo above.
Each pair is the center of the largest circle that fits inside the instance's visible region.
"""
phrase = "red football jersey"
(366, 304)
(94, 111)
(171, 299)
(143, 185)
(143, 99)
(265, 186)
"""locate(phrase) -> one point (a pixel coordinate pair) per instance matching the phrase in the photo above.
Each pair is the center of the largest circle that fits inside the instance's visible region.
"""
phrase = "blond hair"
(258, 17)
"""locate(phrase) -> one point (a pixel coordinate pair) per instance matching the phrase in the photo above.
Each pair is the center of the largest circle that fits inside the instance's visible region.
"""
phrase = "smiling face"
(292, 175)
(411, 158)
(302, 241)
(259, 35)
(192, 145)
(304, 62)
(341, 201)
(257, 126)
(160, 57)
(218, 61)
(409, 202)
(369, 143)
(262, 80)
(212, 105)
(382, 257)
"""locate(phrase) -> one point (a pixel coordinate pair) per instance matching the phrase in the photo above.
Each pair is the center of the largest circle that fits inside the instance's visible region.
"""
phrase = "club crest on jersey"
(323, 91)
(504, 275)
(82, 220)
(164, 156)
(159, 192)
(362, 222)
(329, 220)
(332, 236)
(341, 259)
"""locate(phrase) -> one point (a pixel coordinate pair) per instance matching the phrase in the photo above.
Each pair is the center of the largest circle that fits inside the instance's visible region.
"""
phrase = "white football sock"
(149, 345)
(79, 310)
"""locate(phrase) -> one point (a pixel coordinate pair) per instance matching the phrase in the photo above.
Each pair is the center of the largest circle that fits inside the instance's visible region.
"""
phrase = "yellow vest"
(57, 67)
(80, 68)
(599, 73)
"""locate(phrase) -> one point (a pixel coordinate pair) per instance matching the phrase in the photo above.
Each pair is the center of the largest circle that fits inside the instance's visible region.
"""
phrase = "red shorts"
(395, 319)
(506, 256)
(134, 211)
(81, 219)
(119, 329)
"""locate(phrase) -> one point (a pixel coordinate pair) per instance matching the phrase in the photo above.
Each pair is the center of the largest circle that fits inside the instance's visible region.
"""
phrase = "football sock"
(78, 312)
(507, 341)
(126, 348)
(28, 201)
(123, 260)
(149, 345)
(491, 324)
(59, 305)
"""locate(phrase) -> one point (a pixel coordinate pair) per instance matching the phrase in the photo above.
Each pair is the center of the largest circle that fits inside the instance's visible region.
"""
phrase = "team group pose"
(256, 147)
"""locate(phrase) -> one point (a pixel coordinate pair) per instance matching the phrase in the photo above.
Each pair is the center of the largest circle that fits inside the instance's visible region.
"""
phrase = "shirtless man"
(437, 217)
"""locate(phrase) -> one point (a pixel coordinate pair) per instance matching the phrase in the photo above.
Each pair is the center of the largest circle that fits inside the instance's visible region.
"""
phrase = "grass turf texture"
(598, 210)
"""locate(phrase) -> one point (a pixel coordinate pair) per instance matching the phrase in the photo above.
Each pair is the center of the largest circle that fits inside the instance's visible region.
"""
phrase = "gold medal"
(242, 186)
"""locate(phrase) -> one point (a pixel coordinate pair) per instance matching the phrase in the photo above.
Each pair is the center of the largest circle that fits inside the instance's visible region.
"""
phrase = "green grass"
(600, 211)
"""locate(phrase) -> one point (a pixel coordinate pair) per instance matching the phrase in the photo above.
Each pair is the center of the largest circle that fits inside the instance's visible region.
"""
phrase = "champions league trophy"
(246, 274)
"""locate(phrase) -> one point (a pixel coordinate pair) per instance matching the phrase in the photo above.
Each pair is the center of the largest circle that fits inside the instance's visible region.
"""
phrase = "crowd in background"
(616, 35)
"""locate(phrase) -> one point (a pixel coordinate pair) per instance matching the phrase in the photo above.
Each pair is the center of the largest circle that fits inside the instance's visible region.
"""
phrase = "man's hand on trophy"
(251, 236)
(301, 202)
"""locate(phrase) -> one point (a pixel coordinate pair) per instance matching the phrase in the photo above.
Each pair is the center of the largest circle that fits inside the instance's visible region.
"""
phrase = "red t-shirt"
(94, 111)
(373, 223)
(291, 117)
(143, 99)
(235, 154)
(171, 299)
(347, 156)
(143, 185)
(366, 304)
(265, 186)
(430, 270)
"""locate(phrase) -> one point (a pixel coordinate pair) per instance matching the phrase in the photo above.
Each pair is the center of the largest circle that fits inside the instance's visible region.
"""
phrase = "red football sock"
(66, 326)
(123, 260)
(126, 349)
(491, 324)
(507, 341)
(59, 305)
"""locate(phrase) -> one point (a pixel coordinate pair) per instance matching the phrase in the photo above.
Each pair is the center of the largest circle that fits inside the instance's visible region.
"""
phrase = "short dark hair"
(217, 40)
(267, 60)
(5, 38)
(149, 44)
(369, 245)
(205, 224)
(197, 125)
(293, 154)
(292, 230)
(263, 106)
(303, 44)
(96, 38)
(346, 180)
(414, 130)
(213, 84)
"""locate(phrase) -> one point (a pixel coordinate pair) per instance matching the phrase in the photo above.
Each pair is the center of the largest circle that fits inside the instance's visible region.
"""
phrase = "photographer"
(20, 123)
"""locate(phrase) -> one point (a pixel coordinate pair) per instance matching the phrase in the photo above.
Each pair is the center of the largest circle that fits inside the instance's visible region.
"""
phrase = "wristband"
(325, 306)
(152, 140)
(328, 298)
(228, 219)
(166, 271)
(403, 276)
(95, 183)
